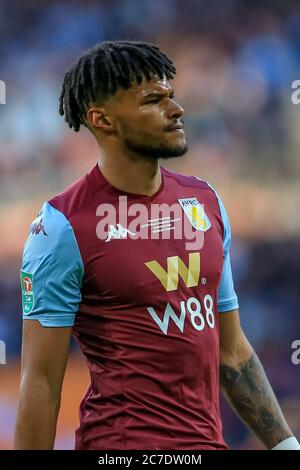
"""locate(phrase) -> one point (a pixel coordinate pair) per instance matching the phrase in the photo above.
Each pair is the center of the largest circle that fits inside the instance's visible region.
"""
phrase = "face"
(147, 120)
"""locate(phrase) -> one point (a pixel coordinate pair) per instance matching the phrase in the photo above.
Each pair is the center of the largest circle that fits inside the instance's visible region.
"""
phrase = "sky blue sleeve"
(52, 270)
(227, 298)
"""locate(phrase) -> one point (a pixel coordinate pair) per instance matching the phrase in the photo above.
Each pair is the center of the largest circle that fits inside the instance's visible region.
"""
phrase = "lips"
(178, 127)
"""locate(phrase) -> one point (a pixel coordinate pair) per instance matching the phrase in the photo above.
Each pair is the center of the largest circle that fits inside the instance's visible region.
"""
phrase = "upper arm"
(51, 278)
(52, 271)
(44, 357)
(234, 346)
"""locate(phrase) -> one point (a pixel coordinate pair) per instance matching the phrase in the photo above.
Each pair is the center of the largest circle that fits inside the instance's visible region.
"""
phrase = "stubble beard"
(155, 150)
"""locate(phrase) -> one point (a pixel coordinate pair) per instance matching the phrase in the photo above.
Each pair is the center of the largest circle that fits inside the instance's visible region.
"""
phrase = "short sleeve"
(52, 270)
(227, 298)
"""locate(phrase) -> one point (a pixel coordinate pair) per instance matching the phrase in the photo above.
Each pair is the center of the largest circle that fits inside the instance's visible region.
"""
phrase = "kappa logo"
(37, 227)
(118, 232)
(195, 213)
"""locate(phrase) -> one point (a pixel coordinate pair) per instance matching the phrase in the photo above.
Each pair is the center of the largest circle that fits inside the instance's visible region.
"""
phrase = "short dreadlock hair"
(102, 70)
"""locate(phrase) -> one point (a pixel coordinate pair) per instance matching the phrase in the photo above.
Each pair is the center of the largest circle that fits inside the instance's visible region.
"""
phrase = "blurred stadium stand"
(236, 61)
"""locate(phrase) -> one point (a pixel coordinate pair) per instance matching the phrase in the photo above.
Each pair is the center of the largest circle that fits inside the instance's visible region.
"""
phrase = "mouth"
(177, 128)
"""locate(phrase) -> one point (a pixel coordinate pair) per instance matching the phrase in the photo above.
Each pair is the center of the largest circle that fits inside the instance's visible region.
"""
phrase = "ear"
(98, 118)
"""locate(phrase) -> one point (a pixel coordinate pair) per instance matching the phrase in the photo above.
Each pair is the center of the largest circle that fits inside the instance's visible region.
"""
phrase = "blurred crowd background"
(236, 61)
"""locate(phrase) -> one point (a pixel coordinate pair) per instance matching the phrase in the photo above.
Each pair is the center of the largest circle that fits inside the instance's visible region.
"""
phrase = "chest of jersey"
(149, 254)
(153, 300)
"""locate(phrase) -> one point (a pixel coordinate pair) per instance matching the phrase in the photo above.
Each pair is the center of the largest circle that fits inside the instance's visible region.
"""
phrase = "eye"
(153, 100)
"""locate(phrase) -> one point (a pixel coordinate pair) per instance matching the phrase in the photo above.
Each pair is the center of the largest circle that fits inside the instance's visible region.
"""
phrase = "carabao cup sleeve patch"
(27, 292)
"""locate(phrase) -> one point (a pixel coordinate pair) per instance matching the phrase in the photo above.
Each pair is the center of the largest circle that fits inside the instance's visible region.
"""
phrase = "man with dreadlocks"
(154, 324)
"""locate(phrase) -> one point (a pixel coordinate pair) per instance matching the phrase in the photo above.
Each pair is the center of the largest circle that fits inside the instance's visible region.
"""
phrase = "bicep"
(44, 354)
(234, 346)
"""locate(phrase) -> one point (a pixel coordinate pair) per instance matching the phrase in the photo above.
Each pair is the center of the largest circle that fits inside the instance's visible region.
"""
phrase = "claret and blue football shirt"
(145, 310)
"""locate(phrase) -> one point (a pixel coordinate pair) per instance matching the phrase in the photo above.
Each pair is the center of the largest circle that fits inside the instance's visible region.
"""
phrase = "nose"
(175, 110)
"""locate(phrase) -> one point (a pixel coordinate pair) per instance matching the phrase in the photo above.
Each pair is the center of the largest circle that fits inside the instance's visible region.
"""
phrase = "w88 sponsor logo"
(200, 316)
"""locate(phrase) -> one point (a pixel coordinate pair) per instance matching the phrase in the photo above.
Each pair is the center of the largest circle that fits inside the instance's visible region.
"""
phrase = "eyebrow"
(158, 94)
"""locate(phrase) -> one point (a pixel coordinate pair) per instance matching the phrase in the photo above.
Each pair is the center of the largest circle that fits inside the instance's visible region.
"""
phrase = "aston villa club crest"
(195, 213)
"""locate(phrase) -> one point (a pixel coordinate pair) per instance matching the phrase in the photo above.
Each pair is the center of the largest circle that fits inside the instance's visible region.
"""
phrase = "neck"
(138, 175)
